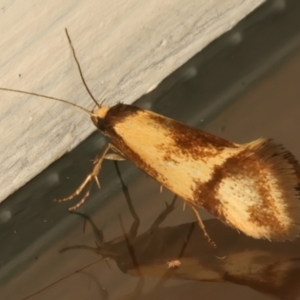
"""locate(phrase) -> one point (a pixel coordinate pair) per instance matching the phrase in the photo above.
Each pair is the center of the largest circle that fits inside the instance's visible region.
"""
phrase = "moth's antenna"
(79, 69)
(47, 97)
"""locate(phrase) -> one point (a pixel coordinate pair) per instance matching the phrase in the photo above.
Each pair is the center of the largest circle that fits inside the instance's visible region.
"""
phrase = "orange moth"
(253, 187)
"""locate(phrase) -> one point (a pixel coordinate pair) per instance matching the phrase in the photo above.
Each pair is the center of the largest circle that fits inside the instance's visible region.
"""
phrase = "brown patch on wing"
(206, 193)
(269, 169)
(119, 112)
(187, 141)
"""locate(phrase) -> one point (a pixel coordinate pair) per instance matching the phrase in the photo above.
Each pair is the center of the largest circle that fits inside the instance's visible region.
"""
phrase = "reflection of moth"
(252, 187)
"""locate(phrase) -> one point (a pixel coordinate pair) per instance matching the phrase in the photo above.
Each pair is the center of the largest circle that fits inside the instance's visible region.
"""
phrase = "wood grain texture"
(125, 49)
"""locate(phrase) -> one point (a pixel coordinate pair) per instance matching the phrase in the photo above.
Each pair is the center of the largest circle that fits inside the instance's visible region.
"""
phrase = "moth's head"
(98, 117)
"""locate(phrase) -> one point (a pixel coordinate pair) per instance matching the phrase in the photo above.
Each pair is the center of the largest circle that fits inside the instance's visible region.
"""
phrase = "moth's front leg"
(93, 176)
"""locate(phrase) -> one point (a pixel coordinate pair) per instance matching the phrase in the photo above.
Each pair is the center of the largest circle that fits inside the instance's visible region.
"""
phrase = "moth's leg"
(201, 225)
(136, 223)
(96, 250)
(169, 208)
(101, 247)
(97, 232)
(89, 180)
(115, 156)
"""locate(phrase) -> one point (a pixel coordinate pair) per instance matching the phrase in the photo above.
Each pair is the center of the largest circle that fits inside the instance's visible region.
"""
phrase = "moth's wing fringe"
(284, 180)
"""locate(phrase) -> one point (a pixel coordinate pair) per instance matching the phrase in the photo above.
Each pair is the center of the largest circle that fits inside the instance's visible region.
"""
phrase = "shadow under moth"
(253, 187)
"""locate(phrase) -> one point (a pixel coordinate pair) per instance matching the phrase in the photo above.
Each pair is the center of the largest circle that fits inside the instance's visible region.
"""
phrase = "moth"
(253, 187)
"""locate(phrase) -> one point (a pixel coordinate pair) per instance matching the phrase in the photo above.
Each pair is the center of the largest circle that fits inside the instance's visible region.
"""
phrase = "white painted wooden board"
(125, 48)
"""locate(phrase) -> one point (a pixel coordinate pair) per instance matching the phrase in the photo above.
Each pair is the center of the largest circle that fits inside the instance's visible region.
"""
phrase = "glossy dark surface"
(243, 86)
